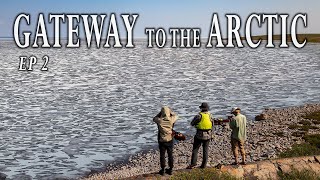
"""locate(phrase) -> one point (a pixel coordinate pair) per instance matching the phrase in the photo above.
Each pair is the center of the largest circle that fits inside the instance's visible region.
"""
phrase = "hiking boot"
(191, 166)
(161, 172)
(235, 163)
(169, 171)
(202, 167)
(243, 163)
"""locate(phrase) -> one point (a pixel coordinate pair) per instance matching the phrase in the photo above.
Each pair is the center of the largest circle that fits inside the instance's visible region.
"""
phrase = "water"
(94, 106)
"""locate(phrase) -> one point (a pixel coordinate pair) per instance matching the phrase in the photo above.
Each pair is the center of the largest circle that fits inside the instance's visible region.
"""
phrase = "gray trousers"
(196, 145)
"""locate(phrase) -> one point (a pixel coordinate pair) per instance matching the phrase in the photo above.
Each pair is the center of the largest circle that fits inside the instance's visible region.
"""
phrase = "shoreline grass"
(313, 116)
(204, 174)
(212, 173)
(297, 175)
(311, 146)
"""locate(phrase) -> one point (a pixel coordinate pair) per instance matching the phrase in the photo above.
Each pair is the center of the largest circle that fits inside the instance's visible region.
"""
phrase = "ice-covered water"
(96, 105)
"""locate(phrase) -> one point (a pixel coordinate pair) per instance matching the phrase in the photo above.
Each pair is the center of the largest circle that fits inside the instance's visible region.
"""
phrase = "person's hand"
(180, 137)
(212, 137)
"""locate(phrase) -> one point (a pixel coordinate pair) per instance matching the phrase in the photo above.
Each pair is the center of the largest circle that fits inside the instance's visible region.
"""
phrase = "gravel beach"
(266, 139)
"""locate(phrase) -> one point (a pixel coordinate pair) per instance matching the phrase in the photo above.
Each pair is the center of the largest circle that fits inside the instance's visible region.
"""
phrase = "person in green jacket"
(238, 136)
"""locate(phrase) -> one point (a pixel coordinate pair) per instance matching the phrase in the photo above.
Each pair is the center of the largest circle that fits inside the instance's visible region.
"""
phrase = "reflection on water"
(96, 105)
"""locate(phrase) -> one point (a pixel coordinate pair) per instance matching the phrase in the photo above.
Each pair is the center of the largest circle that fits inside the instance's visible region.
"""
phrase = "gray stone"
(3, 176)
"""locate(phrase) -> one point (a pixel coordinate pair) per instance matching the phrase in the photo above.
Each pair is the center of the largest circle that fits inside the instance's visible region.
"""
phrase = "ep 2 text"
(27, 63)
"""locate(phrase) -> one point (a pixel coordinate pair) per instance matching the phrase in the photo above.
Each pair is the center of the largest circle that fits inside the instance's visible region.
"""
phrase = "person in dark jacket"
(203, 122)
(165, 121)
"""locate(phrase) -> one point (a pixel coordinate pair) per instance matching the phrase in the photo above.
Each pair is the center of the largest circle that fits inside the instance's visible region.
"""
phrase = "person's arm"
(245, 121)
(232, 123)
(245, 126)
(212, 121)
(174, 117)
(156, 119)
(195, 120)
(236, 122)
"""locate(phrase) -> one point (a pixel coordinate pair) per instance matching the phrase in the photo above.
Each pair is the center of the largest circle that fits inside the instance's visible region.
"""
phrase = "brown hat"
(234, 109)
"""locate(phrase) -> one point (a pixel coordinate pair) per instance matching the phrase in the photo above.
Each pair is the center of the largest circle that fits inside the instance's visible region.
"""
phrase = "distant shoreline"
(313, 38)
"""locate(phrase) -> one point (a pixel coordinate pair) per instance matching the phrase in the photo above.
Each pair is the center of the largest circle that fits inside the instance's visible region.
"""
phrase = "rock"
(261, 117)
(317, 158)
(301, 165)
(265, 155)
(284, 165)
(315, 167)
(237, 172)
(249, 169)
(266, 170)
(3, 176)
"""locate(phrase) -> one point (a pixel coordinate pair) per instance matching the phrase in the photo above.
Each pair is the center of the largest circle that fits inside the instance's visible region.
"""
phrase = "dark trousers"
(166, 146)
(196, 145)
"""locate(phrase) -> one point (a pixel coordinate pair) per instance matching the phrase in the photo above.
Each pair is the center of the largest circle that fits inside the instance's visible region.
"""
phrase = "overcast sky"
(164, 13)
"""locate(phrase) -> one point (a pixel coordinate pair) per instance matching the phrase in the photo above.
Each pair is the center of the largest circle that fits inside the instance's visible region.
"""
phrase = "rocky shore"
(266, 139)
(268, 169)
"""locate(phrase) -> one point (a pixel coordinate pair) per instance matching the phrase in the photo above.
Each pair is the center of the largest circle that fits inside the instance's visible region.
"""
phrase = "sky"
(164, 13)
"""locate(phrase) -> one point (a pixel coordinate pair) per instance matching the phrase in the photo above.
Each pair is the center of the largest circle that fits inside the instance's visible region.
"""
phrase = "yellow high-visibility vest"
(205, 122)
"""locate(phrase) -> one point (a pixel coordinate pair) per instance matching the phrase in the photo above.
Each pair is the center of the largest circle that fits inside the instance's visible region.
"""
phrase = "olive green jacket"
(238, 126)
